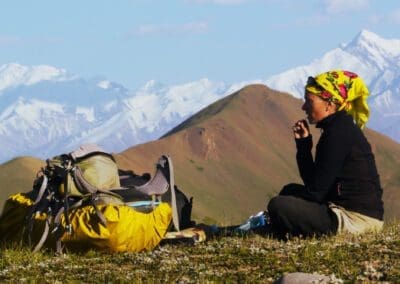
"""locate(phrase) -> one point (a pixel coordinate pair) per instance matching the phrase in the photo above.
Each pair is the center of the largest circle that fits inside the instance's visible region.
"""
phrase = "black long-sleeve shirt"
(344, 170)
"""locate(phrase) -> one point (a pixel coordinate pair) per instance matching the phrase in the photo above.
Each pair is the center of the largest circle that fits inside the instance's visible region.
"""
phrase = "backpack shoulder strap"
(158, 185)
(87, 150)
(86, 187)
(175, 216)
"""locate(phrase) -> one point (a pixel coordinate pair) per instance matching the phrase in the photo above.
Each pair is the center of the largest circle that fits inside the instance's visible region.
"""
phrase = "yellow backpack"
(73, 204)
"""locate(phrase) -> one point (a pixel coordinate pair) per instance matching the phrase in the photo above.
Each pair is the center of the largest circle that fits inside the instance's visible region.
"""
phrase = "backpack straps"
(86, 150)
(175, 216)
(45, 234)
(36, 207)
(158, 185)
(57, 222)
(85, 187)
(162, 181)
(42, 189)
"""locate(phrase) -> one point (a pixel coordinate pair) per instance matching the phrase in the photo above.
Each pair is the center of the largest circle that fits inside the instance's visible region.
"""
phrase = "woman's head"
(339, 90)
(317, 108)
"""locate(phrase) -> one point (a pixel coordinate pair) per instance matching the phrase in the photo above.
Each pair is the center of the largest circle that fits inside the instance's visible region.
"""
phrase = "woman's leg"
(293, 215)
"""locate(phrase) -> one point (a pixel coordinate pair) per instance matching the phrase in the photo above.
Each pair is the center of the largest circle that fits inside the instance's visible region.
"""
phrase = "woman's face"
(315, 108)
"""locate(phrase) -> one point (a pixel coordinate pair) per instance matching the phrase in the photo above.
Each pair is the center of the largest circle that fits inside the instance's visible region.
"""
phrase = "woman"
(341, 190)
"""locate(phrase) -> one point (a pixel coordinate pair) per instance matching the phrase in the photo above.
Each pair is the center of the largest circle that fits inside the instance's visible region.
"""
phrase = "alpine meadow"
(232, 150)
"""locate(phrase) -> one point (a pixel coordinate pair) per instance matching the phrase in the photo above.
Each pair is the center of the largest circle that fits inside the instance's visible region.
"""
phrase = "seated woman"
(341, 190)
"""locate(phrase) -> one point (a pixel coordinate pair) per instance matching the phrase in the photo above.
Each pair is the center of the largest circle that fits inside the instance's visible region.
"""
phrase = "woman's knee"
(275, 204)
(285, 205)
(293, 189)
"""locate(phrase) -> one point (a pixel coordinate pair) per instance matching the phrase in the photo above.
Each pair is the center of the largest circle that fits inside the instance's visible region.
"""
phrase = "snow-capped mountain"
(375, 59)
(13, 74)
(45, 111)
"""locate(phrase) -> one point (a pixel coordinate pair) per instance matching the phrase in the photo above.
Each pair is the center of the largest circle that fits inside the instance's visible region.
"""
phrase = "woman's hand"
(301, 129)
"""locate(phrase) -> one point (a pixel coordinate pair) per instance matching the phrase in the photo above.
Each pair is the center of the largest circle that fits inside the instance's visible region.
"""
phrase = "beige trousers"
(353, 222)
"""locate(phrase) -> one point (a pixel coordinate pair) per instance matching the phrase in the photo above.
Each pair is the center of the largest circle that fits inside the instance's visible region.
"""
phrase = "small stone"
(300, 278)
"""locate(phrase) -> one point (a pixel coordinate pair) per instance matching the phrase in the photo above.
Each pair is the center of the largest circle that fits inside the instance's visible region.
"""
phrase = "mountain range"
(231, 156)
(46, 111)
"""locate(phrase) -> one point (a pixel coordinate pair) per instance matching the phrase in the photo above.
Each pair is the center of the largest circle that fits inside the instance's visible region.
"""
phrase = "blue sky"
(177, 41)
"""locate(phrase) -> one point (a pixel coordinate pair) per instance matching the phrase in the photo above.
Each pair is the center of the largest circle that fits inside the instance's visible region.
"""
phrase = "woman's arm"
(304, 145)
(332, 150)
(304, 158)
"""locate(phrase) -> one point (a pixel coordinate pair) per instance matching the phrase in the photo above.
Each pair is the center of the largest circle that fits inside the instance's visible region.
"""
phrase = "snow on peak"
(151, 87)
(374, 48)
(105, 84)
(369, 55)
(14, 74)
(369, 36)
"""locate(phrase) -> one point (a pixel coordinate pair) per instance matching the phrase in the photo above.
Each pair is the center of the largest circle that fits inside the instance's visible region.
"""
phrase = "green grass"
(370, 257)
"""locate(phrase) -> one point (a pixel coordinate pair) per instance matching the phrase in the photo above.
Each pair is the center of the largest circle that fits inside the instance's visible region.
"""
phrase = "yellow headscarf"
(344, 88)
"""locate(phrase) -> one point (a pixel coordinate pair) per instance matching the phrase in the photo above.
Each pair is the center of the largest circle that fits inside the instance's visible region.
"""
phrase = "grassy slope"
(251, 259)
(387, 155)
(17, 175)
(221, 159)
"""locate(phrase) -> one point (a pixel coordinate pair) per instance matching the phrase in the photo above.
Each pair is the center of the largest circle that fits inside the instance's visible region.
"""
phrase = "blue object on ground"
(254, 221)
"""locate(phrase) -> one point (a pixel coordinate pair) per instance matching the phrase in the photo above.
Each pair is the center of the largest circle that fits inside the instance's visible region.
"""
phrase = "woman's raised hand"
(301, 129)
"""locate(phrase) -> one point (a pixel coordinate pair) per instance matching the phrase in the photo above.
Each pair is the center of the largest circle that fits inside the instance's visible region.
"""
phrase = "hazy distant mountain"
(232, 156)
(46, 111)
(12, 75)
